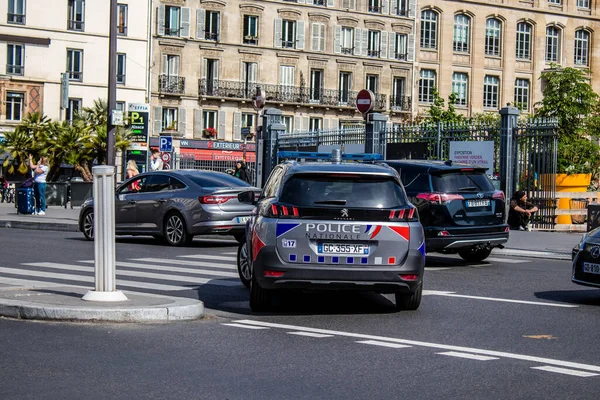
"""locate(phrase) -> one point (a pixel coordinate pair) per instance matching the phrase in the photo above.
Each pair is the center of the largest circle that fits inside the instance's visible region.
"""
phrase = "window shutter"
(325, 124)
(394, 7)
(353, 5)
(383, 45)
(253, 72)
(314, 33)
(322, 30)
(160, 20)
(357, 41)
(175, 71)
(412, 8)
(157, 120)
(300, 1)
(330, 3)
(385, 6)
(365, 42)
(197, 123)
(337, 45)
(200, 15)
(277, 35)
(221, 130)
(305, 123)
(205, 65)
(165, 64)
(216, 71)
(410, 51)
(297, 124)
(185, 22)
(335, 124)
(237, 126)
(300, 35)
(182, 121)
(392, 47)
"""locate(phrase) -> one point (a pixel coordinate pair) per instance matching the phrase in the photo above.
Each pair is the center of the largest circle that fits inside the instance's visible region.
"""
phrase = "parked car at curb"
(176, 205)
(459, 208)
(332, 226)
(586, 260)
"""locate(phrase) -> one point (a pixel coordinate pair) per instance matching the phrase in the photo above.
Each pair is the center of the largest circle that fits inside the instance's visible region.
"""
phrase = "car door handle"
(162, 200)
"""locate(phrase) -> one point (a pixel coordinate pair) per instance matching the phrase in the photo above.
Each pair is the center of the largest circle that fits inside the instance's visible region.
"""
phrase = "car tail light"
(499, 194)
(404, 214)
(443, 233)
(257, 245)
(273, 274)
(439, 198)
(409, 277)
(281, 211)
(215, 199)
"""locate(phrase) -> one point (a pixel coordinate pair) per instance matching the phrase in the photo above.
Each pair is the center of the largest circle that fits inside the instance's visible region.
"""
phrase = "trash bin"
(578, 204)
(56, 194)
(593, 216)
(80, 192)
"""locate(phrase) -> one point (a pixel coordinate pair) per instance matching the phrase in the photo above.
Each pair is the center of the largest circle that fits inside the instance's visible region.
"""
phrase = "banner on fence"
(477, 152)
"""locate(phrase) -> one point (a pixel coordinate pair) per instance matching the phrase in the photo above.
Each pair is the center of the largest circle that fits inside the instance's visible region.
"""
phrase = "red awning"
(217, 155)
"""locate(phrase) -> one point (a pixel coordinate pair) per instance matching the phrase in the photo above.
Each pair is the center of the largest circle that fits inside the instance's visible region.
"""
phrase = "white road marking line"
(31, 283)
(565, 371)
(437, 268)
(227, 253)
(246, 326)
(492, 353)
(185, 262)
(469, 356)
(168, 268)
(210, 257)
(139, 274)
(309, 334)
(506, 260)
(383, 344)
(464, 296)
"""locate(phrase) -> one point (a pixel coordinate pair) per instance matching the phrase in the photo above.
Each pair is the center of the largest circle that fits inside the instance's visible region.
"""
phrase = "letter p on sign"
(166, 144)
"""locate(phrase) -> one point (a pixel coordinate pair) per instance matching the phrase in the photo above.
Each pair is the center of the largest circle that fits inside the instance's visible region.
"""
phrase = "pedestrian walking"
(519, 216)
(40, 171)
(156, 164)
(4, 188)
(241, 172)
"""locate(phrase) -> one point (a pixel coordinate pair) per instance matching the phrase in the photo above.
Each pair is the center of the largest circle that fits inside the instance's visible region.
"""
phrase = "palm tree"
(68, 143)
(18, 145)
(36, 125)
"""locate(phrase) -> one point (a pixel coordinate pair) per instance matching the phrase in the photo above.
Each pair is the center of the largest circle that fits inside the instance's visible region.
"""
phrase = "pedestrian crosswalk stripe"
(30, 283)
(168, 268)
(209, 257)
(185, 262)
(139, 274)
(383, 344)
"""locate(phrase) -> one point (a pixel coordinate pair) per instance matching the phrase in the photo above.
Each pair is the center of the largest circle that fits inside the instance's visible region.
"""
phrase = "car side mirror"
(246, 197)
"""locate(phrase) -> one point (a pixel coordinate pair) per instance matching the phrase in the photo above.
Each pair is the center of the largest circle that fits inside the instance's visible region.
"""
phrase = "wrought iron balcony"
(347, 50)
(373, 53)
(400, 103)
(375, 9)
(211, 36)
(402, 12)
(171, 84)
(319, 2)
(16, 18)
(400, 56)
(75, 25)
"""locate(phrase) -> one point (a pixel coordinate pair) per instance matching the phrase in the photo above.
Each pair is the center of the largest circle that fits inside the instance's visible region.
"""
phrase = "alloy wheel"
(175, 229)
(88, 225)
(244, 265)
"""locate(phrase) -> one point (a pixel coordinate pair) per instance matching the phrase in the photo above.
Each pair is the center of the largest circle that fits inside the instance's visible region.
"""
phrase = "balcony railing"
(284, 93)
(400, 103)
(171, 84)
(211, 36)
(16, 18)
(251, 40)
(288, 44)
(75, 25)
(347, 50)
(376, 9)
(319, 2)
(402, 12)
(373, 53)
(400, 56)
(14, 69)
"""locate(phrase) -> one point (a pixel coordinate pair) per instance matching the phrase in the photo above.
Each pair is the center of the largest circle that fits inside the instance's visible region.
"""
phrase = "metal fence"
(183, 161)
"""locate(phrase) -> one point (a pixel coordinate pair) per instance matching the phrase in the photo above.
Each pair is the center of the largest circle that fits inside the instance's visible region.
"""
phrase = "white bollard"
(104, 237)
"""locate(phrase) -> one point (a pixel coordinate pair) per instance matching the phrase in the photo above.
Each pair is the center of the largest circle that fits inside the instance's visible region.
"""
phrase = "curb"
(532, 254)
(45, 226)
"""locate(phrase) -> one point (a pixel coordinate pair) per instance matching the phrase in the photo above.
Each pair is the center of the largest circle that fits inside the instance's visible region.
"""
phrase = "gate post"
(508, 122)
(266, 144)
(375, 125)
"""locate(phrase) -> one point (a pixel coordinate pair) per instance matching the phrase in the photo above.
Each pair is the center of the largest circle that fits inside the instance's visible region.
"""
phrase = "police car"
(333, 225)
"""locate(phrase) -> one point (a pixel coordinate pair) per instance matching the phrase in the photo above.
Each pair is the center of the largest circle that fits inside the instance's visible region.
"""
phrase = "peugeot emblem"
(345, 213)
(480, 195)
(595, 252)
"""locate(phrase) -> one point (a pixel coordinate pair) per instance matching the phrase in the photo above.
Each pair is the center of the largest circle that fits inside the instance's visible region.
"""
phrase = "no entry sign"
(365, 100)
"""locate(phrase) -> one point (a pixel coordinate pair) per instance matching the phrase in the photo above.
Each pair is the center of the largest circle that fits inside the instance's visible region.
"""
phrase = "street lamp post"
(112, 84)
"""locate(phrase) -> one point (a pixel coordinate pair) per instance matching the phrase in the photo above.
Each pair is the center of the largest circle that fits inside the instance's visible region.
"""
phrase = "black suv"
(459, 208)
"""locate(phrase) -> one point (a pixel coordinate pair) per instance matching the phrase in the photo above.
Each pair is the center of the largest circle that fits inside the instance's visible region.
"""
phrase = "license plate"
(591, 268)
(478, 203)
(337, 248)
(242, 220)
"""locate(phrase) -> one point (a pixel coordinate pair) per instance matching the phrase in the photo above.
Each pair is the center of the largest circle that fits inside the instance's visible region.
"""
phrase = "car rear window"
(461, 182)
(212, 179)
(353, 191)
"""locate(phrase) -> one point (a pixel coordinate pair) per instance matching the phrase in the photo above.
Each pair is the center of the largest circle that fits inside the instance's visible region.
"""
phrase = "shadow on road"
(589, 297)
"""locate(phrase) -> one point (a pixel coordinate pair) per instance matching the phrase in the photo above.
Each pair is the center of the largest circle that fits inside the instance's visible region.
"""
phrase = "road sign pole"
(112, 84)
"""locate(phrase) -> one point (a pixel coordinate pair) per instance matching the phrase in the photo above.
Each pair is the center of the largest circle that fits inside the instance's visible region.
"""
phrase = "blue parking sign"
(166, 144)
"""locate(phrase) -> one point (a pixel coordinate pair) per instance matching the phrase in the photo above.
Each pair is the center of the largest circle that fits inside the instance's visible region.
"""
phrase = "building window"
(76, 15)
(14, 59)
(398, 100)
(73, 109)
(556, 2)
(552, 44)
(426, 85)
(460, 83)
(288, 34)
(375, 6)
(491, 90)
(429, 29)
(373, 83)
(373, 49)
(75, 64)
(400, 7)
(121, 68)
(400, 46)
(345, 87)
(211, 25)
(287, 120)
(523, 41)
(461, 33)
(169, 119)
(348, 4)
(320, 3)
(122, 19)
(522, 94)
(14, 106)
(492, 37)
(248, 120)
(318, 36)
(315, 124)
(172, 22)
(583, 4)
(582, 47)
(251, 29)
(16, 12)
(249, 74)
(316, 85)
(347, 40)
(209, 119)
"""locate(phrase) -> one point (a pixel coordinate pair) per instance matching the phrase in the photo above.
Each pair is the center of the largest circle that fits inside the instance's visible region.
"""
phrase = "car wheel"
(243, 265)
(240, 237)
(88, 225)
(409, 301)
(175, 231)
(260, 299)
(475, 254)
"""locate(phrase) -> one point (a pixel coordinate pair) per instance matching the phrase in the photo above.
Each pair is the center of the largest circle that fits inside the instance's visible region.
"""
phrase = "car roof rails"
(335, 156)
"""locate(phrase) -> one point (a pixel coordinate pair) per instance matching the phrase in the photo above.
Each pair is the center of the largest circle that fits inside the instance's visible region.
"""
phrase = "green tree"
(437, 112)
(18, 145)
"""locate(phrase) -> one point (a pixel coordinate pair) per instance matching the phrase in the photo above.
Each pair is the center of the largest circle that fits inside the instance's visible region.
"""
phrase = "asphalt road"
(508, 328)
